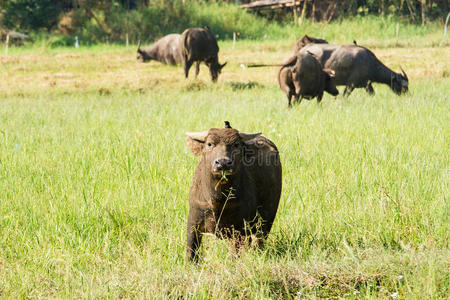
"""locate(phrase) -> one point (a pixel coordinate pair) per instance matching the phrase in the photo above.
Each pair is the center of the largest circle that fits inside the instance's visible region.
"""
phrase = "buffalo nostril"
(223, 163)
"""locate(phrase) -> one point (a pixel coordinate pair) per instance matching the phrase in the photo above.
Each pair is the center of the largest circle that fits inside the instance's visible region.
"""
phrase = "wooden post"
(445, 26)
(397, 28)
(7, 44)
(234, 39)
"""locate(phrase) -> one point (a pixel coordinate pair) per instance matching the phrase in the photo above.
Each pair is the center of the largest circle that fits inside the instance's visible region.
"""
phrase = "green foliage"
(31, 15)
(369, 31)
(155, 21)
(111, 21)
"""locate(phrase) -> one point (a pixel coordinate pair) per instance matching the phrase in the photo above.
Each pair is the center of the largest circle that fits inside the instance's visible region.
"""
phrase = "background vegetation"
(114, 21)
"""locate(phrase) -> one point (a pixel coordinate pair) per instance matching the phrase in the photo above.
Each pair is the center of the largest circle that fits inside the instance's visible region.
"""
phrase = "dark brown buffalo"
(305, 40)
(199, 45)
(244, 201)
(303, 77)
(164, 50)
(358, 67)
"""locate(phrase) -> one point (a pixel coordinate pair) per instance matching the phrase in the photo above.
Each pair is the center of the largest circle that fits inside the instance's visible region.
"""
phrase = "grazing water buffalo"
(164, 50)
(358, 67)
(199, 45)
(303, 77)
(305, 40)
(236, 186)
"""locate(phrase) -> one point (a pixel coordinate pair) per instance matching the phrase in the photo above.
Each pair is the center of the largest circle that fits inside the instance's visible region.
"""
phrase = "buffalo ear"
(248, 136)
(195, 141)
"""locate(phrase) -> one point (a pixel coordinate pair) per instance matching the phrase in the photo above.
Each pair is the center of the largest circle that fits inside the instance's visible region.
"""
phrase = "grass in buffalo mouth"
(222, 179)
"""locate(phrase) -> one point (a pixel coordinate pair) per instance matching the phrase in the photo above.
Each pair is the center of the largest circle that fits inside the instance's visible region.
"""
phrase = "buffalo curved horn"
(248, 136)
(330, 72)
(198, 136)
(404, 74)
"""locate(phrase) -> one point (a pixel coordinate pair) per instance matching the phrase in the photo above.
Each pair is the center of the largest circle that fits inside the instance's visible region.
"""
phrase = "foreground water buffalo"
(358, 67)
(303, 77)
(236, 187)
(199, 45)
(164, 50)
(305, 40)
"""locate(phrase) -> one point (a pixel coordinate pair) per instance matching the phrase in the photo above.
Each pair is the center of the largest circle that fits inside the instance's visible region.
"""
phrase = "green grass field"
(95, 174)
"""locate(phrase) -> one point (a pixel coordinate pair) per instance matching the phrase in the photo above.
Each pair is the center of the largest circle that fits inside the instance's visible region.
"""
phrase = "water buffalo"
(358, 67)
(236, 187)
(199, 45)
(303, 77)
(164, 50)
(305, 40)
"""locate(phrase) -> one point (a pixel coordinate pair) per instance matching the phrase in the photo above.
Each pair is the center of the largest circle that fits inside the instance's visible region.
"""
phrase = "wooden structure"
(271, 4)
(318, 10)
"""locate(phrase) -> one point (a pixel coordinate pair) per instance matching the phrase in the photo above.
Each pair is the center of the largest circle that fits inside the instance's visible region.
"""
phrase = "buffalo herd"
(314, 67)
(237, 183)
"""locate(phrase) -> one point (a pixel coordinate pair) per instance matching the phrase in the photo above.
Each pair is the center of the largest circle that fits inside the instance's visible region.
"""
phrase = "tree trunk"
(313, 13)
(303, 10)
(294, 8)
(424, 10)
(411, 9)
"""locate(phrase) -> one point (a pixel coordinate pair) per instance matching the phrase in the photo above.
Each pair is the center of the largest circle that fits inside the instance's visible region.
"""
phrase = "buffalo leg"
(187, 66)
(197, 68)
(194, 238)
(319, 97)
(369, 89)
(348, 90)
(289, 96)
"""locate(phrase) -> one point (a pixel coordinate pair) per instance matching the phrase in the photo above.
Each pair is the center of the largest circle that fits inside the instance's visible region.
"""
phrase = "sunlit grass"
(94, 179)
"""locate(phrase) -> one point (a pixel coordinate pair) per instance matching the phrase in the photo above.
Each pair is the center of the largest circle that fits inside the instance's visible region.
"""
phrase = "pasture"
(95, 175)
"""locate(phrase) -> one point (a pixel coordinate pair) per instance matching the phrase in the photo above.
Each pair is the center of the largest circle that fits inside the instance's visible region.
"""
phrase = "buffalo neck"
(384, 74)
(151, 52)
